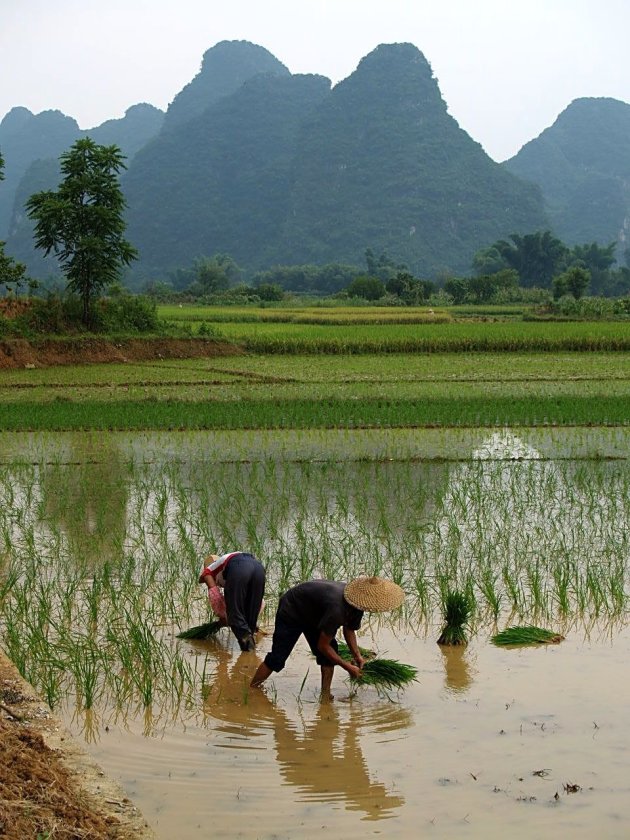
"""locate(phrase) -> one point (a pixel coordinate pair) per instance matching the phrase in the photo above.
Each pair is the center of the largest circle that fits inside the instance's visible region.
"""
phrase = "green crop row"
(429, 338)
(320, 413)
(433, 367)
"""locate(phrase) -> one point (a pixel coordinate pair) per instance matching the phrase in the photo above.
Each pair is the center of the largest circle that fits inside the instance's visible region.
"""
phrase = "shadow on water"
(321, 758)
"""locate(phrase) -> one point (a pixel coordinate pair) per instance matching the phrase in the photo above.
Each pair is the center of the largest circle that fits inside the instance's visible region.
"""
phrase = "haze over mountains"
(276, 168)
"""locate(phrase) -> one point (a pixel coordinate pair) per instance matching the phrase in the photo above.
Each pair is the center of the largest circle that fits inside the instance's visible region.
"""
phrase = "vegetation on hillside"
(581, 164)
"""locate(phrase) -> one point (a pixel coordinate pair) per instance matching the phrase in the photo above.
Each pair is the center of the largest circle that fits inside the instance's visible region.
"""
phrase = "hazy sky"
(506, 68)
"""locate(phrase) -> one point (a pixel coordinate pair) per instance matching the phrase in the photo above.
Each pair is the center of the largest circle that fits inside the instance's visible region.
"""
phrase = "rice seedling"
(382, 674)
(518, 538)
(526, 635)
(457, 610)
(387, 674)
(202, 631)
(345, 652)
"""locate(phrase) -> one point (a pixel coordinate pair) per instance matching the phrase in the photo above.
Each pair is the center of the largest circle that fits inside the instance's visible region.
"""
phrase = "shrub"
(369, 288)
(123, 312)
(585, 307)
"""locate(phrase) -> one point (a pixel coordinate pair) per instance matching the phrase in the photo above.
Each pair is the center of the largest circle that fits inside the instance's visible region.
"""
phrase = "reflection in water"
(322, 759)
(458, 675)
(87, 501)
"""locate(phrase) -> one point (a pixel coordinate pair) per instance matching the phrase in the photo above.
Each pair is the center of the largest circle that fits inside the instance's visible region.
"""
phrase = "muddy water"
(487, 744)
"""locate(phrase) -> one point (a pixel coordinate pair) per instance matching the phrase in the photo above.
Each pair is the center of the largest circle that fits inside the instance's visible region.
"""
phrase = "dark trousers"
(243, 592)
(285, 636)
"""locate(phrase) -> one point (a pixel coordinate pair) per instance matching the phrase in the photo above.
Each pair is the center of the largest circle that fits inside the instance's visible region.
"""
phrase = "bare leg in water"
(327, 675)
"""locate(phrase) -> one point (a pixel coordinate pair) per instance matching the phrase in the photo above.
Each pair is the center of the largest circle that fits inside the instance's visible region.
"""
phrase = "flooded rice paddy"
(102, 540)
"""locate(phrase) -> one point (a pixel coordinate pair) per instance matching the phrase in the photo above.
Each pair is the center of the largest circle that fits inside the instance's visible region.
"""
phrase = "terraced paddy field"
(109, 503)
(103, 536)
(323, 391)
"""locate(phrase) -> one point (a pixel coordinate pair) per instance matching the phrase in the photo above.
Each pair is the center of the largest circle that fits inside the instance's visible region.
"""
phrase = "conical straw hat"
(373, 594)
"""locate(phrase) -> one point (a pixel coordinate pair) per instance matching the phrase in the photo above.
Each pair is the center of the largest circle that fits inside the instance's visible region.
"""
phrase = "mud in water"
(529, 742)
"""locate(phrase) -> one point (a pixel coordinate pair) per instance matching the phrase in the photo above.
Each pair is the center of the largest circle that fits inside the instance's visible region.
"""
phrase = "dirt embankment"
(20, 353)
(49, 787)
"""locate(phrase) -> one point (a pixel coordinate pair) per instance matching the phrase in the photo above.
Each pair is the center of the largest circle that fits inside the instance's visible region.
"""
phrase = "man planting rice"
(242, 578)
(317, 609)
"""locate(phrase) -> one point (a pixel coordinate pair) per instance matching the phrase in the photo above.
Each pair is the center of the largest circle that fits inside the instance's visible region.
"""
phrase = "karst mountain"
(275, 168)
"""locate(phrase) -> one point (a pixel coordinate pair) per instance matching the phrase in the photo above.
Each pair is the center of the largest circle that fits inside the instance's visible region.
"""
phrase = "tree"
(369, 288)
(488, 261)
(573, 281)
(487, 286)
(382, 267)
(457, 288)
(270, 291)
(412, 291)
(598, 259)
(82, 222)
(536, 256)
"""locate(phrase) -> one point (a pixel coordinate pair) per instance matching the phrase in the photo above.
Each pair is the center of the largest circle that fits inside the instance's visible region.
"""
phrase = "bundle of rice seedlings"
(457, 609)
(345, 653)
(383, 674)
(528, 635)
(387, 674)
(201, 631)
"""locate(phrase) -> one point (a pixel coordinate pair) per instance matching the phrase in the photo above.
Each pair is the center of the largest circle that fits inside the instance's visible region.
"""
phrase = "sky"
(506, 68)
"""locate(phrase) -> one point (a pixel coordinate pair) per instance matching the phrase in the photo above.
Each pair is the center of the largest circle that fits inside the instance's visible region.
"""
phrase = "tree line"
(82, 224)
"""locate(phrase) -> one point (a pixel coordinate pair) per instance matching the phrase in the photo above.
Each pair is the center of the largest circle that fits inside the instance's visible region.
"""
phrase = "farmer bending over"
(317, 609)
(242, 578)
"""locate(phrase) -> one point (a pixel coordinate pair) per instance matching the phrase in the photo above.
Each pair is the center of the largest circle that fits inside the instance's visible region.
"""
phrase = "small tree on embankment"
(82, 222)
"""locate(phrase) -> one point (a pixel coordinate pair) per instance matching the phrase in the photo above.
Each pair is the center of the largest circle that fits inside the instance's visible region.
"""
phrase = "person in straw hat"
(317, 609)
(242, 578)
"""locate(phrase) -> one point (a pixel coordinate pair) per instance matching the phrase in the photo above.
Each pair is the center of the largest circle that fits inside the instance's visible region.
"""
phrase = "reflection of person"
(242, 578)
(317, 609)
(323, 759)
(312, 762)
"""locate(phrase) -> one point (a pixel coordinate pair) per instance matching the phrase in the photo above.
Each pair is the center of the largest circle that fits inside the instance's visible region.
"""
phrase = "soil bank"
(21, 353)
(48, 785)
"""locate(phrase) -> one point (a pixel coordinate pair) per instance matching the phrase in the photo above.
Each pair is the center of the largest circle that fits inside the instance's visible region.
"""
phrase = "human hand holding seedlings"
(351, 640)
(325, 647)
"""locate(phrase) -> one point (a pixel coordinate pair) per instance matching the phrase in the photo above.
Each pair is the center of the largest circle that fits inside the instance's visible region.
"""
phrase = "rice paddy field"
(521, 502)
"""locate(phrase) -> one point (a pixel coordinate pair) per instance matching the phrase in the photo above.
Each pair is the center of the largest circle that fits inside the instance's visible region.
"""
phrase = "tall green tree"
(574, 281)
(82, 222)
(598, 260)
(370, 288)
(537, 257)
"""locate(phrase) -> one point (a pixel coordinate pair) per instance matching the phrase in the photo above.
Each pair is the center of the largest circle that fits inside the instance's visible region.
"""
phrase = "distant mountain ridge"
(286, 170)
(582, 164)
(31, 145)
(273, 168)
(220, 182)
(26, 138)
(382, 164)
(224, 68)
